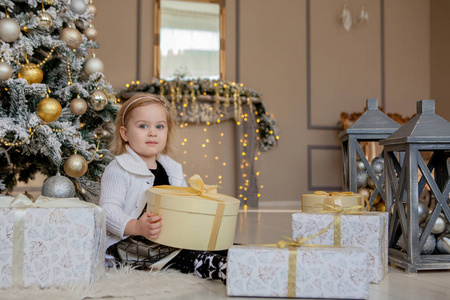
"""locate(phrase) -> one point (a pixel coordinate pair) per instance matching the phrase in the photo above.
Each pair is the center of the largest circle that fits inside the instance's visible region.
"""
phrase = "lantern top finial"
(425, 107)
(373, 124)
(425, 127)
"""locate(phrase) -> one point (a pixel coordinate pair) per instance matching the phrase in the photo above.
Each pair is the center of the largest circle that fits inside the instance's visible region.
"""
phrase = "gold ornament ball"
(91, 9)
(71, 36)
(91, 33)
(9, 30)
(49, 109)
(98, 100)
(78, 106)
(5, 71)
(32, 73)
(75, 166)
(45, 21)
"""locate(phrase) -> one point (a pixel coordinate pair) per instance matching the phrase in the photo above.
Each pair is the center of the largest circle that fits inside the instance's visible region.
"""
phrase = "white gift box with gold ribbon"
(366, 230)
(196, 217)
(51, 242)
(297, 272)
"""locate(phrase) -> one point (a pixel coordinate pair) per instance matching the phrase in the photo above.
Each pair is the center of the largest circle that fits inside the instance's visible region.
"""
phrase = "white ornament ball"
(5, 71)
(9, 30)
(93, 65)
(360, 165)
(378, 164)
(78, 6)
(439, 226)
(361, 178)
(443, 244)
(58, 187)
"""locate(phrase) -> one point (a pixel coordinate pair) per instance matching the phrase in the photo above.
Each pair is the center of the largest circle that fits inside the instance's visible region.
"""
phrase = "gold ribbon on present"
(21, 203)
(309, 201)
(197, 188)
(338, 211)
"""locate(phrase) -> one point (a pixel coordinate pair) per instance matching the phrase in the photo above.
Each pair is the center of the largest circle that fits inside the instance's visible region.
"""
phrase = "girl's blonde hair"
(117, 146)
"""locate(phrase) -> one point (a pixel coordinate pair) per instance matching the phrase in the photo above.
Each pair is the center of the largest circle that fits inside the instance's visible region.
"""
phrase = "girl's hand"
(148, 225)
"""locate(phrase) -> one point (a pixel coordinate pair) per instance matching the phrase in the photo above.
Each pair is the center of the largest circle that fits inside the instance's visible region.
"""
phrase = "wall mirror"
(189, 39)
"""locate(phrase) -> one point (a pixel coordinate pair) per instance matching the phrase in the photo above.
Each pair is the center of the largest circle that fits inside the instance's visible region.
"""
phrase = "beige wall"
(270, 41)
(346, 68)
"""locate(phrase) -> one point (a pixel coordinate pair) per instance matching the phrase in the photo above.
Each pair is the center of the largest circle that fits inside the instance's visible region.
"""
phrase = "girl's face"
(146, 132)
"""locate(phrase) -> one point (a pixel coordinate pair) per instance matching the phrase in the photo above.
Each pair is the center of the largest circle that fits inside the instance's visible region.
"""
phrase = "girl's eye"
(144, 126)
(160, 126)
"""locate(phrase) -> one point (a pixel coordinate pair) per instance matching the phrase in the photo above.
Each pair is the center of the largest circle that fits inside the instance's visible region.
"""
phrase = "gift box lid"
(188, 202)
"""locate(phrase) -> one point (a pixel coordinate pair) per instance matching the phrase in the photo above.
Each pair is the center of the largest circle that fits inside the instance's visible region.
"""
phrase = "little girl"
(142, 139)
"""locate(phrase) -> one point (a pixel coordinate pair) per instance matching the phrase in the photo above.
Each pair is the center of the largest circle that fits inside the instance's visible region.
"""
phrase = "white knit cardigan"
(124, 184)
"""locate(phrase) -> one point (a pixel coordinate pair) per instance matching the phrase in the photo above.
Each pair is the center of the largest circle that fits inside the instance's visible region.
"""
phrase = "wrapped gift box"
(315, 272)
(312, 202)
(193, 219)
(365, 230)
(52, 242)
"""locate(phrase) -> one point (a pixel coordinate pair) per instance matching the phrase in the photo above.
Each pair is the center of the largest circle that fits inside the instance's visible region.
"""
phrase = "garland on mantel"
(205, 100)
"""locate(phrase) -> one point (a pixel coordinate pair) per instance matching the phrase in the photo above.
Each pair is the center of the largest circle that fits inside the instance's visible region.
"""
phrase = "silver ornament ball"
(78, 6)
(428, 247)
(9, 30)
(5, 71)
(378, 164)
(443, 243)
(422, 211)
(361, 178)
(58, 187)
(360, 165)
(439, 225)
(93, 65)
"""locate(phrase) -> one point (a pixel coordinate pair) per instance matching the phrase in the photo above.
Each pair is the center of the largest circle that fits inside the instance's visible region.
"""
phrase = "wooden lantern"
(372, 126)
(407, 174)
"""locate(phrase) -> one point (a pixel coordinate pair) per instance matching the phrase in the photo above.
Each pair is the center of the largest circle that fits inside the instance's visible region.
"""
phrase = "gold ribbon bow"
(21, 203)
(197, 188)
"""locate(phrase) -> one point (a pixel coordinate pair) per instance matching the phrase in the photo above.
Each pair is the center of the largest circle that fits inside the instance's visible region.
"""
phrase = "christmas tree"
(56, 108)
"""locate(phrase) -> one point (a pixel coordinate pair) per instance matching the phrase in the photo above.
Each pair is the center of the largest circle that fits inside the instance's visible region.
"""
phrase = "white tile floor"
(268, 226)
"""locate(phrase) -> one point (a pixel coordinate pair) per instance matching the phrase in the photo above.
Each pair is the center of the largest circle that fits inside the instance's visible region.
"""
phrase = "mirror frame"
(157, 29)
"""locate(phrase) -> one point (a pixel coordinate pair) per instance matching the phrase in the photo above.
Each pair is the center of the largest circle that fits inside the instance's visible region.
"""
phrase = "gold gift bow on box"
(292, 259)
(330, 196)
(197, 188)
(20, 204)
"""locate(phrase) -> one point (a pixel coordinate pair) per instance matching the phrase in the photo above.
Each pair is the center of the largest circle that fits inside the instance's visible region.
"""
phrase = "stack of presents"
(336, 248)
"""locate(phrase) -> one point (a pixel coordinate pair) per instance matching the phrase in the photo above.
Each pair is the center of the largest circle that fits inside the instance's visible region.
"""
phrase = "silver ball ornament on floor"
(9, 30)
(5, 71)
(361, 178)
(439, 225)
(443, 244)
(430, 243)
(378, 164)
(58, 187)
(78, 6)
(93, 65)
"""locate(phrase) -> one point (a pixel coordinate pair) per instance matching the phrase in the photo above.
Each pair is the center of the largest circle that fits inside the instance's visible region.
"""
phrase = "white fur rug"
(117, 283)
